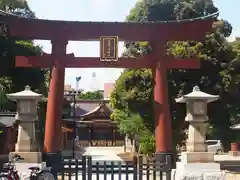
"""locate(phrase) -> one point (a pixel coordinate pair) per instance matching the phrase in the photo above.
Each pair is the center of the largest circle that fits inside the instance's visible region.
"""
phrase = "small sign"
(109, 48)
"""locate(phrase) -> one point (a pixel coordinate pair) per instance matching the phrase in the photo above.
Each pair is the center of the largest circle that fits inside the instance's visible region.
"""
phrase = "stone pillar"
(27, 145)
(196, 162)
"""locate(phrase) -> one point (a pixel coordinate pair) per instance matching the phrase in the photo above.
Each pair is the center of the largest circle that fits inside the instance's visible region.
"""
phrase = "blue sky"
(103, 10)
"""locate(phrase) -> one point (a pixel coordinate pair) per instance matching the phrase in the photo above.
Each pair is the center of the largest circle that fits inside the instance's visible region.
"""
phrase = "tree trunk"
(133, 145)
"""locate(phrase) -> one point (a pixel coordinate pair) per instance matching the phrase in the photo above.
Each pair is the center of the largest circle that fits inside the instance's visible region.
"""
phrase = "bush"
(147, 143)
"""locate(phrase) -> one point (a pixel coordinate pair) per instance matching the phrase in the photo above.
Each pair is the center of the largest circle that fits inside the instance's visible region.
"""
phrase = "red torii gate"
(60, 32)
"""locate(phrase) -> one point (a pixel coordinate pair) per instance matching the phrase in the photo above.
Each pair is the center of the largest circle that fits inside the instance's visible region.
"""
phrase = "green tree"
(10, 47)
(5, 87)
(95, 95)
(134, 88)
(132, 125)
(18, 7)
(235, 76)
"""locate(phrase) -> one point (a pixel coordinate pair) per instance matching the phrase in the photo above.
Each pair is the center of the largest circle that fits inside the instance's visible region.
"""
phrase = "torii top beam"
(87, 31)
(92, 31)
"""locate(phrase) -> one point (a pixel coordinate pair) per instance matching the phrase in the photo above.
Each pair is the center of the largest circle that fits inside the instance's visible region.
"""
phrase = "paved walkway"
(104, 153)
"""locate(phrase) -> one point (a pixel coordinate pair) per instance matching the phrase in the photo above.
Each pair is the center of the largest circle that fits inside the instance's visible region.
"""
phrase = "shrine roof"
(84, 107)
(97, 109)
(7, 119)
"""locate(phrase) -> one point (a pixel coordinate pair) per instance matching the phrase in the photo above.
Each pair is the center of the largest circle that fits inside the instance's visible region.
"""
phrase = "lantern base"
(29, 157)
(197, 157)
(194, 171)
(23, 168)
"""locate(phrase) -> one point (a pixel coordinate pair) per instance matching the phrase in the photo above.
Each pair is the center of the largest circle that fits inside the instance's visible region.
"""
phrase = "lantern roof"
(27, 93)
(197, 94)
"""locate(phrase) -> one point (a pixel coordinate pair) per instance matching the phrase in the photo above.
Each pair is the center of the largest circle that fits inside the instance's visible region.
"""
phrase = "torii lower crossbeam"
(94, 62)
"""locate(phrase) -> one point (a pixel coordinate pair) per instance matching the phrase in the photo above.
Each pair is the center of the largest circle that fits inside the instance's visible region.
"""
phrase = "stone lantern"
(27, 145)
(196, 162)
(196, 102)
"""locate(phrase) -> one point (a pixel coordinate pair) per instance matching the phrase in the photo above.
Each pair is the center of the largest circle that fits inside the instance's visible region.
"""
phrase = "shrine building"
(93, 125)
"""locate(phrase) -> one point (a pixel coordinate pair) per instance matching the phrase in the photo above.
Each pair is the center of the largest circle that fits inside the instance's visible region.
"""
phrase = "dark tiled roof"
(85, 106)
(7, 119)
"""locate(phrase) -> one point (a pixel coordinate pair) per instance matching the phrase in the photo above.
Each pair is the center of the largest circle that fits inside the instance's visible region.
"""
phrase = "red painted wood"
(163, 129)
(53, 125)
(86, 62)
(44, 61)
(193, 63)
(86, 31)
(94, 62)
(33, 61)
(141, 62)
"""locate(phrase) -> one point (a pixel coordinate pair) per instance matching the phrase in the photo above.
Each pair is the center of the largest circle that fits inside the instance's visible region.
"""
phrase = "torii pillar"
(163, 133)
(163, 129)
(53, 127)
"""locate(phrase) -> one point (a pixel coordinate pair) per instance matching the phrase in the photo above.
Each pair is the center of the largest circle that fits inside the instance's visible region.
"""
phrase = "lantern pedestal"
(26, 141)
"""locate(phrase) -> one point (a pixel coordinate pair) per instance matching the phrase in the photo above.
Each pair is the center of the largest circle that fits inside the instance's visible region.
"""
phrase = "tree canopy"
(15, 79)
(218, 74)
(18, 7)
(95, 95)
